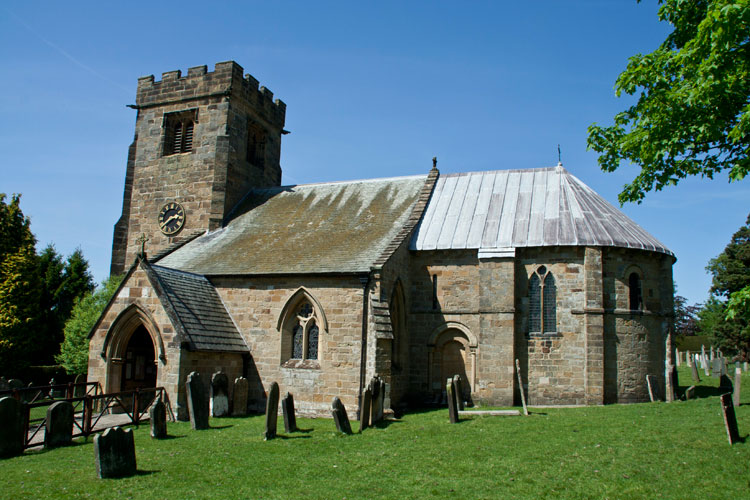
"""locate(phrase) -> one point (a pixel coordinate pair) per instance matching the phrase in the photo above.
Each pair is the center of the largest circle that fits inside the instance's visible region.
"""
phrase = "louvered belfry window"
(542, 302)
(178, 132)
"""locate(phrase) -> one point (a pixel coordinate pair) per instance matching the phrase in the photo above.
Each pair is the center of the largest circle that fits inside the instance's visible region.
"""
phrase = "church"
(320, 287)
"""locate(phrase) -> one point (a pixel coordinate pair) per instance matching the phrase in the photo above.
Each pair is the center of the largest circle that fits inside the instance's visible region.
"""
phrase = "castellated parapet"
(226, 79)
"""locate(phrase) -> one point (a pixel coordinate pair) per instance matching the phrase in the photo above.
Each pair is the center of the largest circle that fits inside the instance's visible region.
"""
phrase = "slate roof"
(198, 307)
(508, 209)
(338, 227)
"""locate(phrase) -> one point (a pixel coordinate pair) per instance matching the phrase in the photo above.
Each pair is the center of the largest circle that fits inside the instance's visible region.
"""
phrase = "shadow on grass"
(169, 436)
(305, 431)
(221, 426)
(146, 472)
(287, 436)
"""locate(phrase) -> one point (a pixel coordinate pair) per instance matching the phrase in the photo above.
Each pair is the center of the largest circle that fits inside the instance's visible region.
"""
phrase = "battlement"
(226, 79)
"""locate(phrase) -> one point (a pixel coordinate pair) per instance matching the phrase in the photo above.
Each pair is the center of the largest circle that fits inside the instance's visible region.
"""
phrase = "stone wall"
(256, 305)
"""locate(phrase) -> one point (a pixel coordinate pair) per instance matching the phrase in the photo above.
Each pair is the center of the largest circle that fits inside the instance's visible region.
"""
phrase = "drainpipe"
(365, 280)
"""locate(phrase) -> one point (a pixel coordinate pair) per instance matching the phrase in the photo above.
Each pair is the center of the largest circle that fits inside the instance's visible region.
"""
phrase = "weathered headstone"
(694, 372)
(375, 391)
(364, 412)
(653, 388)
(59, 429)
(716, 367)
(678, 357)
(450, 390)
(730, 419)
(713, 356)
(737, 383)
(340, 418)
(520, 387)
(114, 452)
(381, 399)
(287, 408)
(11, 427)
(219, 395)
(239, 403)
(669, 387)
(688, 358)
(157, 414)
(272, 412)
(459, 391)
(197, 401)
(80, 388)
(690, 392)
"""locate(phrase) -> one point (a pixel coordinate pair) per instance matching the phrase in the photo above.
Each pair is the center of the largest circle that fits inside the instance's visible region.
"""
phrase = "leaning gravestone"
(653, 388)
(450, 390)
(730, 419)
(158, 417)
(690, 392)
(114, 452)
(694, 372)
(197, 401)
(340, 418)
(219, 395)
(364, 412)
(459, 391)
(725, 383)
(272, 412)
(59, 430)
(737, 382)
(239, 402)
(287, 408)
(11, 427)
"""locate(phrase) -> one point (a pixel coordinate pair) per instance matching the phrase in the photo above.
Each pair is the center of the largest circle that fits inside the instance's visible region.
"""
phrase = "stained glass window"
(297, 336)
(535, 304)
(549, 307)
(312, 341)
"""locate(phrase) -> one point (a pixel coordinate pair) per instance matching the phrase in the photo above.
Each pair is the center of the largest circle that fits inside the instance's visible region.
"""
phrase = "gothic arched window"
(305, 332)
(542, 302)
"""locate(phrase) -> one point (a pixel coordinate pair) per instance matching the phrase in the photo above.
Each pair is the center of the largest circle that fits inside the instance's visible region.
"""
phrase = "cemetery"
(685, 448)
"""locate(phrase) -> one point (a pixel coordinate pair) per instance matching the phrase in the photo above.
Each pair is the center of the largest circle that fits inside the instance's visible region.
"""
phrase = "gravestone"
(239, 403)
(381, 398)
(377, 389)
(678, 357)
(15, 384)
(669, 387)
(716, 367)
(713, 356)
(59, 429)
(688, 359)
(114, 452)
(690, 392)
(694, 372)
(745, 365)
(287, 408)
(730, 419)
(79, 390)
(653, 388)
(364, 412)
(450, 391)
(197, 401)
(340, 418)
(219, 395)
(11, 427)
(737, 383)
(272, 412)
(158, 417)
(459, 392)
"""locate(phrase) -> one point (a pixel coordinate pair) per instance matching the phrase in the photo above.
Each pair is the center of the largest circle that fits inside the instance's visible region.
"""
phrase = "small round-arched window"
(635, 292)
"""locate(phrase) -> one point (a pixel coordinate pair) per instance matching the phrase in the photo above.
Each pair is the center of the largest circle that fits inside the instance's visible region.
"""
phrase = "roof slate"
(338, 227)
(524, 208)
(199, 309)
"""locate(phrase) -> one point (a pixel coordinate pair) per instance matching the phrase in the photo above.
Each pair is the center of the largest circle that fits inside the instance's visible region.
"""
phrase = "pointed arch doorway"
(139, 362)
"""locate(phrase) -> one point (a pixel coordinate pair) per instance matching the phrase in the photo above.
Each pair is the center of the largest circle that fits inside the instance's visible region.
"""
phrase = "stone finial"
(434, 162)
(142, 239)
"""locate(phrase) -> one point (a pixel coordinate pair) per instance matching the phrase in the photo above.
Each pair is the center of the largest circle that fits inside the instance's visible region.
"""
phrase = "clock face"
(171, 218)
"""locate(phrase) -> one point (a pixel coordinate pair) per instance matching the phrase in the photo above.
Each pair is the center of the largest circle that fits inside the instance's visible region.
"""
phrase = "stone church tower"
(201, 142)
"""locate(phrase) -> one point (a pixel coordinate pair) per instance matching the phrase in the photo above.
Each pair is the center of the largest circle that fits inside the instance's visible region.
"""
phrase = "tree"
(685, 317)
(692, 115)
(74, 351)
(728, 321)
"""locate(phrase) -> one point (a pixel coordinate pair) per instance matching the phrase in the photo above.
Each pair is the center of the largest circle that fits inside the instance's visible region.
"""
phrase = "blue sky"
(371, 91)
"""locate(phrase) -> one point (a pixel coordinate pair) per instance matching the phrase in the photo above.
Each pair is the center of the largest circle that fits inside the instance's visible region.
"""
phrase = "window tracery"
(542, 302)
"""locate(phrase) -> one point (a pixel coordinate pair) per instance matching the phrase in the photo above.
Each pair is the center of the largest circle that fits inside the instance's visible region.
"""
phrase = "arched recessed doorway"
(453, 353)
(138, 363)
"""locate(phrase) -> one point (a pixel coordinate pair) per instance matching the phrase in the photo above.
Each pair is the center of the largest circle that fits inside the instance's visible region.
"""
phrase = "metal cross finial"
(142, 239)
(434, 162)
(559, 160)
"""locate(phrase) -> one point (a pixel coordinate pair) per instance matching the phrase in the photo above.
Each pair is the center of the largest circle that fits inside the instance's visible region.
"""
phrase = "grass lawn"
(656, 450)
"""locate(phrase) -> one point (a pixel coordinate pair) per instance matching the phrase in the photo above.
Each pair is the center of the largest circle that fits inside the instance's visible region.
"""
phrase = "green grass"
(658, 450)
